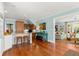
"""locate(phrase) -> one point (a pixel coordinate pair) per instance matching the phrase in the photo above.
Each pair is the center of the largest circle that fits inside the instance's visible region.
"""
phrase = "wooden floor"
(41, 48)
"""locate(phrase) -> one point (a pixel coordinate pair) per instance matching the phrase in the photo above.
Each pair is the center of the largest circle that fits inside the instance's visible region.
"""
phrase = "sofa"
(42, 35)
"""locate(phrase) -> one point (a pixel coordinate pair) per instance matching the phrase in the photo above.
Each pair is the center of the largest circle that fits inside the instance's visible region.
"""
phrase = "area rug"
(71, 53)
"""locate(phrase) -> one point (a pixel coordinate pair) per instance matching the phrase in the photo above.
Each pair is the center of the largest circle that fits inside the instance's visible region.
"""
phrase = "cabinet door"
(8, 42)
(1, 28)
(1, 36)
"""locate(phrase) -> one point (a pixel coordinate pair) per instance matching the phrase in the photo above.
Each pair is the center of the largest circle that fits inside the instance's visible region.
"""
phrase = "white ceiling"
(68, 17)
(37, 10)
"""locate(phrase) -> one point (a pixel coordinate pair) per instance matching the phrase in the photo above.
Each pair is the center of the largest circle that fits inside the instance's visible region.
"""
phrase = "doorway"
(67, 31)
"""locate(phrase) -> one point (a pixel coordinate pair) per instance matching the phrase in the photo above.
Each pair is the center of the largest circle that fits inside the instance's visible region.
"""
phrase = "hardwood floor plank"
(41, 48)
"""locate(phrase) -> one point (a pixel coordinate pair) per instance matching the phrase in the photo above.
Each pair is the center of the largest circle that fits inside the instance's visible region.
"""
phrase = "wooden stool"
(22, 37)
(18, 38)
(25, 37)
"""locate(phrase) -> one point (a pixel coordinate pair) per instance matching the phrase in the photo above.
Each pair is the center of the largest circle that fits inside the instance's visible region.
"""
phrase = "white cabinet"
(1, 28)
(8, 42)
(1, 37)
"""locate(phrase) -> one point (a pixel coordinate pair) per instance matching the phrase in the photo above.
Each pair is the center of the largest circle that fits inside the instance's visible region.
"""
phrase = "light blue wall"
(50, 28)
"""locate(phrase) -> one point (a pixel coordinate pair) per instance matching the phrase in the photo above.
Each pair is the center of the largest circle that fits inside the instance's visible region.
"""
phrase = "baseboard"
(51, 41)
